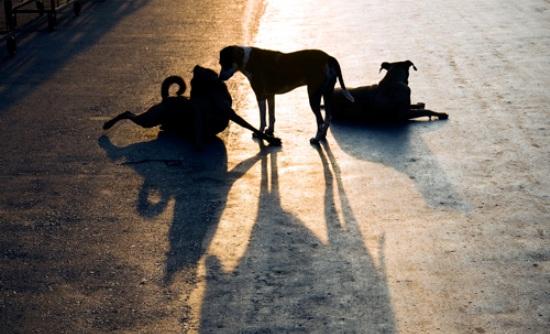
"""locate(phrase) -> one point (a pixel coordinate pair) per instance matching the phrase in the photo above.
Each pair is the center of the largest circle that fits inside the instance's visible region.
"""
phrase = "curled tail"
(169, 81)
(333, 63)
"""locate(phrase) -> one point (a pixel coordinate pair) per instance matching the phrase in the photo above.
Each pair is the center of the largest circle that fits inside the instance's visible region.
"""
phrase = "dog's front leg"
(261, 105)
(257, 134)
(271, 110)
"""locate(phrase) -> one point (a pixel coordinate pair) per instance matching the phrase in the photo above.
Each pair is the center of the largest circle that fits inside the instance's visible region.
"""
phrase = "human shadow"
(290, 281)
(401, 146)
(31, 66)
(196, 181)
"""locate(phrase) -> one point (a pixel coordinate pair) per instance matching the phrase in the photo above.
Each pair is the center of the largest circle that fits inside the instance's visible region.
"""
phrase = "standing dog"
(272, 72)
(388, 101)
(201, 117)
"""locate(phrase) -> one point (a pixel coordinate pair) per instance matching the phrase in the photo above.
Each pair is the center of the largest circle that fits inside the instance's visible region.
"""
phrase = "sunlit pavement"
(430, 227)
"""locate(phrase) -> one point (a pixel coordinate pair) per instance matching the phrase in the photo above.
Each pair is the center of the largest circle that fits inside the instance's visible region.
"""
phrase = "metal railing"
(15, 14)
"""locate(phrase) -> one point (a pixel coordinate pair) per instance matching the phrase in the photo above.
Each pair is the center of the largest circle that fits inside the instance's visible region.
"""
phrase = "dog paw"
(274, 141)
(314, 141)
(443, 116)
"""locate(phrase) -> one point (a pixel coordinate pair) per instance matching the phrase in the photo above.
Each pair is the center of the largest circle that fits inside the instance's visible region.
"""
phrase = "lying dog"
(388, 101)
(204, 115)
(273, 72)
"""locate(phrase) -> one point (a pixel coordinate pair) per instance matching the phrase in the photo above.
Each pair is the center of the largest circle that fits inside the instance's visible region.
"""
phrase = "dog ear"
(410, 63)
(384, 66)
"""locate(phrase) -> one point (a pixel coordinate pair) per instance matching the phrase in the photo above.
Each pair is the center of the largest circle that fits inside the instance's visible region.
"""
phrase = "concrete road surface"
(427, 227)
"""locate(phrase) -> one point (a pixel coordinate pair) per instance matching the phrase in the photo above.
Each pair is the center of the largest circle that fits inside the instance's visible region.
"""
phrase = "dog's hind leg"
(148, 119)
(418, 105)
(328, 91)
(271, 110)
(416, 113)
(125, 115)
(315, 104)
(258, 134)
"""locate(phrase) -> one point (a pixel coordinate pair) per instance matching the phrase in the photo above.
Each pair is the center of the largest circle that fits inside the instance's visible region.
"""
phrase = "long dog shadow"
(289, 281)
(197, 182)
(400, 146)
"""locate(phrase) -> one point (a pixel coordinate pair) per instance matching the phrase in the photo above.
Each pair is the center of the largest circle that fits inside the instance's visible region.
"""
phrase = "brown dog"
(272, 72)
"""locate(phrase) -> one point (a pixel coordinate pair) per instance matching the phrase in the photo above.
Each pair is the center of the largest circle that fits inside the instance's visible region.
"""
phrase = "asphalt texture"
(424, 227)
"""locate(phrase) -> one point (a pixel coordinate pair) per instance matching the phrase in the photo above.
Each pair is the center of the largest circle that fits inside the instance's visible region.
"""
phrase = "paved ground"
(81, 249)
(429, 227)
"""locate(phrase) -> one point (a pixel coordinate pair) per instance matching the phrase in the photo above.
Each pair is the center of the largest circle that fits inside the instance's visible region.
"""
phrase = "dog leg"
(125, 115)
(418, 105)
(328, 115)
(145, 120)
(416, 113)
(315, 104)
(261, 105)
(151, 118)
(258, 134)
(271, 110)
(328, 90)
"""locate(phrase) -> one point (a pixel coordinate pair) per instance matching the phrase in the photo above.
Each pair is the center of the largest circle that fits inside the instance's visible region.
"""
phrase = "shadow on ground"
(289, 281)
(41, 54)
(197, 181)
(401, 147)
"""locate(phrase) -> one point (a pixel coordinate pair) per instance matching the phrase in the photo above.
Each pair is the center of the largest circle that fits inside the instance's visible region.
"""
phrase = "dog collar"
(247, 50)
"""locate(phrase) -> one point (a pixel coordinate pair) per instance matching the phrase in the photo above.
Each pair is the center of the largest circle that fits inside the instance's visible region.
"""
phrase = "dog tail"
(333, 63)
(168, 82)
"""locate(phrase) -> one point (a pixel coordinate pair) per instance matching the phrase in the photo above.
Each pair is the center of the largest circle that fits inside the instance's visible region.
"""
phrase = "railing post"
(10, 17)
(52, 17)
(40, 7)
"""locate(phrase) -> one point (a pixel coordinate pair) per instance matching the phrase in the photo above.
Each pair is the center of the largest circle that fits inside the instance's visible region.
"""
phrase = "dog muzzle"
(226, 74)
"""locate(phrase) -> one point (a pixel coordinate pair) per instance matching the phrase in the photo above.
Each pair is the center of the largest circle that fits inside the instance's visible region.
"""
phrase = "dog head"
(397, 72)
(205, 82)
(231, 60)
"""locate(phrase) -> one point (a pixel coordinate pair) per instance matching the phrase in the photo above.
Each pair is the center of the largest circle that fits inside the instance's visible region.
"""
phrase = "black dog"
(200, 117)
(388, 101)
